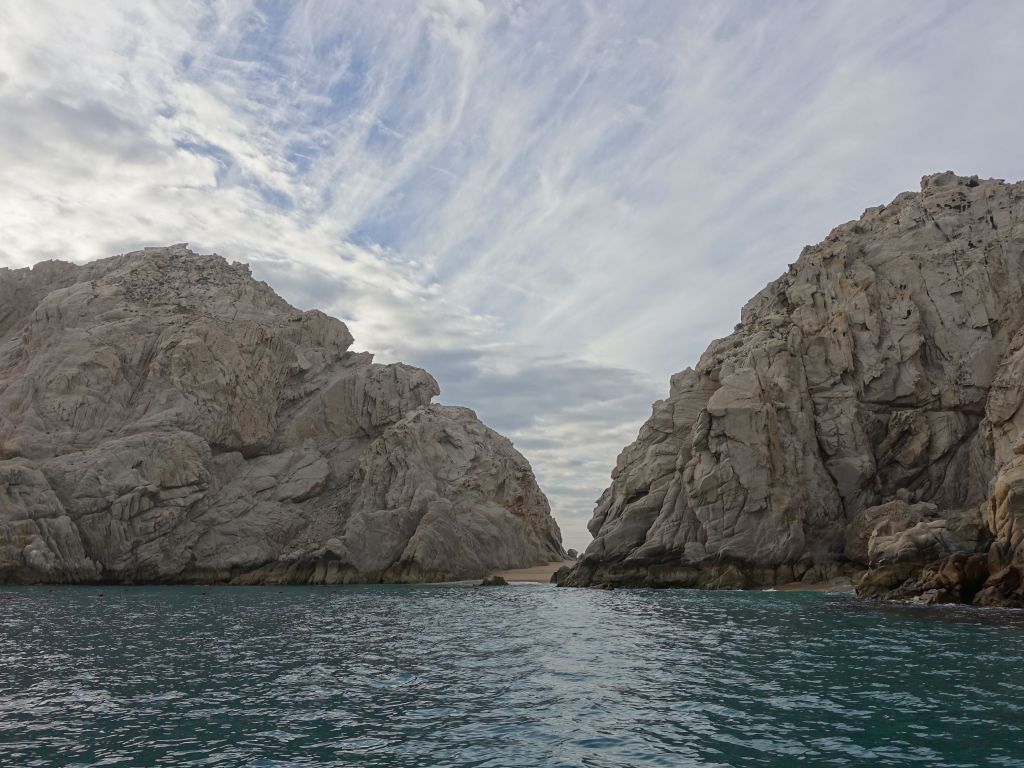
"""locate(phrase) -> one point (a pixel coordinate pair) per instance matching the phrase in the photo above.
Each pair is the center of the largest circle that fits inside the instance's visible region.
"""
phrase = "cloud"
(551, 206)
(569, 417)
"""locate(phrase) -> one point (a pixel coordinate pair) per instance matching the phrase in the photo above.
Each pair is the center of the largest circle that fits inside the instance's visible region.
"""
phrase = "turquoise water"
(527, 675)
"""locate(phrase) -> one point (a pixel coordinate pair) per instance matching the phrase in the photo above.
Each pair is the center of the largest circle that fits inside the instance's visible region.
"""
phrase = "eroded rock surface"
(864, 415)
(164, 417)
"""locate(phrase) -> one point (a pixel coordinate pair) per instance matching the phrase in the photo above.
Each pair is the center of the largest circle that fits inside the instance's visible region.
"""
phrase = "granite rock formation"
(166, 418)
(864, 419)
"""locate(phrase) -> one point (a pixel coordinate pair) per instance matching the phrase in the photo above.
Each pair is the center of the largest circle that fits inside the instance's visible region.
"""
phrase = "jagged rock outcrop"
(864, 415)
(166, 418)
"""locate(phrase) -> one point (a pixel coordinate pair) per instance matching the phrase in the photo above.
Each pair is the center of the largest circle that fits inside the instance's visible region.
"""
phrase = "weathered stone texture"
(865, 413)
(164, 417)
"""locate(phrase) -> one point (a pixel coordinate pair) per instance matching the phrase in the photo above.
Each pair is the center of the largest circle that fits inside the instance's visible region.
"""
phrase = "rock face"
(166, 418)
(864, 415)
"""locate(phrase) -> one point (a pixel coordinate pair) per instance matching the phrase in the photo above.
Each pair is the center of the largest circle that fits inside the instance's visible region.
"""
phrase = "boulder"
(1005, 517)
(954, 579)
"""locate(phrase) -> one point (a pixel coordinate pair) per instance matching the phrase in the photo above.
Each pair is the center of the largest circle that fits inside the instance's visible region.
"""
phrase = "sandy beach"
(815, 586)
(540, 573)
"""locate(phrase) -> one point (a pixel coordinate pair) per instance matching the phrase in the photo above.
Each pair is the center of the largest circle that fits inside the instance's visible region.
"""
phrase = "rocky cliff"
(864, 419)
(164, 417)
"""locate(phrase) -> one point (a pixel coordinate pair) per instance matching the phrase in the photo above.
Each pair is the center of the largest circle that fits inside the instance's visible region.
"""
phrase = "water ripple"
(524, 676)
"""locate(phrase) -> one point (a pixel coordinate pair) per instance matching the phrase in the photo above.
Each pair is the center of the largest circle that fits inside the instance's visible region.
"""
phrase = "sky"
(551, 206)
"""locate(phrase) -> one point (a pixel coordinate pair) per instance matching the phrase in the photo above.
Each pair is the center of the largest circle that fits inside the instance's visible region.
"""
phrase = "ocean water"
(527, 675)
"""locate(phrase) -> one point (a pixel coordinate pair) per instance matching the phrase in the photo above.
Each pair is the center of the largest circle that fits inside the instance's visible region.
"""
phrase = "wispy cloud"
(551, 206)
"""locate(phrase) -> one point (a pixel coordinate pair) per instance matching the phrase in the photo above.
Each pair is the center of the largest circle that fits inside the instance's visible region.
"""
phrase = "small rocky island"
(864, 420)
(164, 417)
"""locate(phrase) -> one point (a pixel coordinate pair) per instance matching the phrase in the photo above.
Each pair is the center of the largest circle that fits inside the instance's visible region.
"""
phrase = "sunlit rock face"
(864, 415)
(166, 418)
